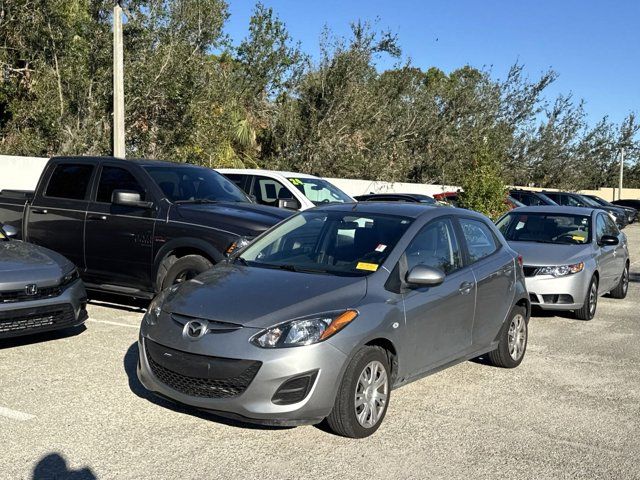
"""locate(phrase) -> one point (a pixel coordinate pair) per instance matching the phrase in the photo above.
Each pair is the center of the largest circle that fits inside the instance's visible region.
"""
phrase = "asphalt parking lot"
(71, 402)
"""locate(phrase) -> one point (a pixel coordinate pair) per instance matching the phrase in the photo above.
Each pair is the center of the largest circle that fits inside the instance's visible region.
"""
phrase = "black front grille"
(33, 319)
(199, 375)
(530, 271)
(22, 296)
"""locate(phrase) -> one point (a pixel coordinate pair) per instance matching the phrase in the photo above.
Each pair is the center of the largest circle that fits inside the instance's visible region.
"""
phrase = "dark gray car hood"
(262, 297)
(545, 254)
(23, 263)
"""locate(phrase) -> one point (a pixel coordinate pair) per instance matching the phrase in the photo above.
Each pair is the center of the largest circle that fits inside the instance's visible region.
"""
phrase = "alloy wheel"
(625, 280)
(517, 337)
(593, 298)
(371, 395)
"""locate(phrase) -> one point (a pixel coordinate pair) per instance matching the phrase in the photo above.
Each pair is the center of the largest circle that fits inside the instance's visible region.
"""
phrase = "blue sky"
(594, 46)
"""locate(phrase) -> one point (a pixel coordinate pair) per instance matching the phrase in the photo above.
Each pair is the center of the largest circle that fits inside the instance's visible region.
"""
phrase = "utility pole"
(118, 83)
(621, 173)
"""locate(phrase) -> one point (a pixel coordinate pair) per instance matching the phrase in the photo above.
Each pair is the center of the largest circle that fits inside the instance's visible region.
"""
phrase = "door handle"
(40, 211)
(97, 217)
(465, 288)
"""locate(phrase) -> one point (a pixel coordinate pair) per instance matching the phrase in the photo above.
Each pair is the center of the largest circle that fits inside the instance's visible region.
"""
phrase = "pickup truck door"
(55, 219)
(118, 238)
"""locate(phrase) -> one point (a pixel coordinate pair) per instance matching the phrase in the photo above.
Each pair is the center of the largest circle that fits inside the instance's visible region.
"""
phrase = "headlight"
(155, 307)
(561, 270)
(304, 331)
(70, 277)
(241, 242)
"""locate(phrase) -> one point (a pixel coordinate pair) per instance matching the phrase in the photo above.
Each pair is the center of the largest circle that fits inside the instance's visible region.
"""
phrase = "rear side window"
(240, 180)
(528, 199)
(115, 178)
(69, 180)
(480, 240)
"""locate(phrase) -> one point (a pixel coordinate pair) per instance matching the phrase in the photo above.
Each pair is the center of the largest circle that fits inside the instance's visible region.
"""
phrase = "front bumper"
(254, 403)
(558, 293)
(27, 317)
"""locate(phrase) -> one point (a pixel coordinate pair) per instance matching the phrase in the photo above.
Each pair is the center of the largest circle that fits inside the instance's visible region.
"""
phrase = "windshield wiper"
(291, 268)
(241, 260)
(196, 201)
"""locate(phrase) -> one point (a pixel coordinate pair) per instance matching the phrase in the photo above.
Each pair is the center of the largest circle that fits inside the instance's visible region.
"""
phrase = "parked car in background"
(396, 197)
(322, 316)
(569, 199)
(530, 197)
(571, 256)
(452, 198)
(39, 289)
(632, 213)
(135, 227)
(628, 202)
(293, 191)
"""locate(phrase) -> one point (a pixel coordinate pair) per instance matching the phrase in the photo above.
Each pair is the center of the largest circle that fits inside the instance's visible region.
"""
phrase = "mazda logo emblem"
(31, 289)
(194, 329)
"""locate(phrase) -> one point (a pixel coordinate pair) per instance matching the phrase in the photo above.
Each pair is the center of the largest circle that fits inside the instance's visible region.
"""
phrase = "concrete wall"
(20, 173)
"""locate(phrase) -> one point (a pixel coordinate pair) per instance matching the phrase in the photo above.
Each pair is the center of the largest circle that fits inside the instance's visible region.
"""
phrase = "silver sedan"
(571, 256)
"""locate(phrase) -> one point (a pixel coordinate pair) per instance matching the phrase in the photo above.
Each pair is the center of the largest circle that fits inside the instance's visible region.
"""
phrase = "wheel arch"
(181, 247)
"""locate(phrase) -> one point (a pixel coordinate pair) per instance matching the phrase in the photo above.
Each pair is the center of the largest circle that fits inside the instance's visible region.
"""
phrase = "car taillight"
(520, 260)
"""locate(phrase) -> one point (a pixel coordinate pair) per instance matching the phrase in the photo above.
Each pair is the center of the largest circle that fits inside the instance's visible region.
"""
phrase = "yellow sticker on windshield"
(296, 181)
(372, 267)
(578, 238)
(1, 236)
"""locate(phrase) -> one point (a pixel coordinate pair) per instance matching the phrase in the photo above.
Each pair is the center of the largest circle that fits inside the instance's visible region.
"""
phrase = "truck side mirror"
(288, 203)
(129, 198)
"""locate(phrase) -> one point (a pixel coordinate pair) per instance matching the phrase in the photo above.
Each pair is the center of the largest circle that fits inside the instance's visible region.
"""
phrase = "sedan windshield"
(337, 243)
(191, 184)
(320, 191)
(545, 228)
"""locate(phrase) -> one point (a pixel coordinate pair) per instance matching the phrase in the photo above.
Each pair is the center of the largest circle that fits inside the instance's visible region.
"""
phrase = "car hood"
(262, 297)
(545, 254)
(242, 218)
(23, 263)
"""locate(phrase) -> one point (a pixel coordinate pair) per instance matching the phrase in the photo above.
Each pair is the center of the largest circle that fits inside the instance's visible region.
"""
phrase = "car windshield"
(320, 191)
(192, 184)
(589, 201)
(555, 228)
(337, 243)
(601, 201)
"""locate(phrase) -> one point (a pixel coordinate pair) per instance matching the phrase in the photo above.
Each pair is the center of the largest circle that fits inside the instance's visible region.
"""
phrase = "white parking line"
(114, 323)
(15, 415)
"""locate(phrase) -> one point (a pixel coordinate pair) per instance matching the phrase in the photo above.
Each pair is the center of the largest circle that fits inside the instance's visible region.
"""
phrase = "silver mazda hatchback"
(323, 315)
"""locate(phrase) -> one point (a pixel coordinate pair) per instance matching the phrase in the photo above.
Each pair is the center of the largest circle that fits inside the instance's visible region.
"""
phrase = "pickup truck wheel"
(513, 340)
(185, 268)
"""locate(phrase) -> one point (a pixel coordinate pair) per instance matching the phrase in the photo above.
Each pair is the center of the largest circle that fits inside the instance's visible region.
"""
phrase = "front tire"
(513, 340)
(588, 310)
(623, 285)
(184, 269)
(363, 395)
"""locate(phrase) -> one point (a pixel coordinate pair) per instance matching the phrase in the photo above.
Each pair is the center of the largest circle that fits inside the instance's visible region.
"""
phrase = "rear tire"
(363, 396)
(184, 269)
(590, 304)
(623, 285)
(513, 340)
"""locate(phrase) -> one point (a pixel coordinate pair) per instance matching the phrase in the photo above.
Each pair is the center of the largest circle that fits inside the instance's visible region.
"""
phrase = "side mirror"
(129, 198)
(424, 275)
(9, 231)
(608, 240)
(288, 203)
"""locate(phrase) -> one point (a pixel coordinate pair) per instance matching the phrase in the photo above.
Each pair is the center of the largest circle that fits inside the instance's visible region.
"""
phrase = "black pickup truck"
(135, 227)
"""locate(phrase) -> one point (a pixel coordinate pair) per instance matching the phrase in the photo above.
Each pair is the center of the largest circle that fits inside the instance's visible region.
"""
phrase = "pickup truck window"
(115, 178)
(69, 180)
(195, 184)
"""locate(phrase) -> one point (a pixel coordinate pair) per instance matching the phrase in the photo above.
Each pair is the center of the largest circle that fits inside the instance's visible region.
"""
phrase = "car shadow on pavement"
(130, 367)
(54, 466)
(41, 337)
(634, 277)
(119, 302)
(537, 312)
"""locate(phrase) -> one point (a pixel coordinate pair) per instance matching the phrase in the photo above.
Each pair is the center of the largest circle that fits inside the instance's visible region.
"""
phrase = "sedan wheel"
(590, 304)
(363, 396)
(517, 337)
(371, 394)
(623, 285)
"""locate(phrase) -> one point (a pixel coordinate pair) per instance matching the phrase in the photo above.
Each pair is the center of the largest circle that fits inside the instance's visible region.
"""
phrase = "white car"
(295, 191)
